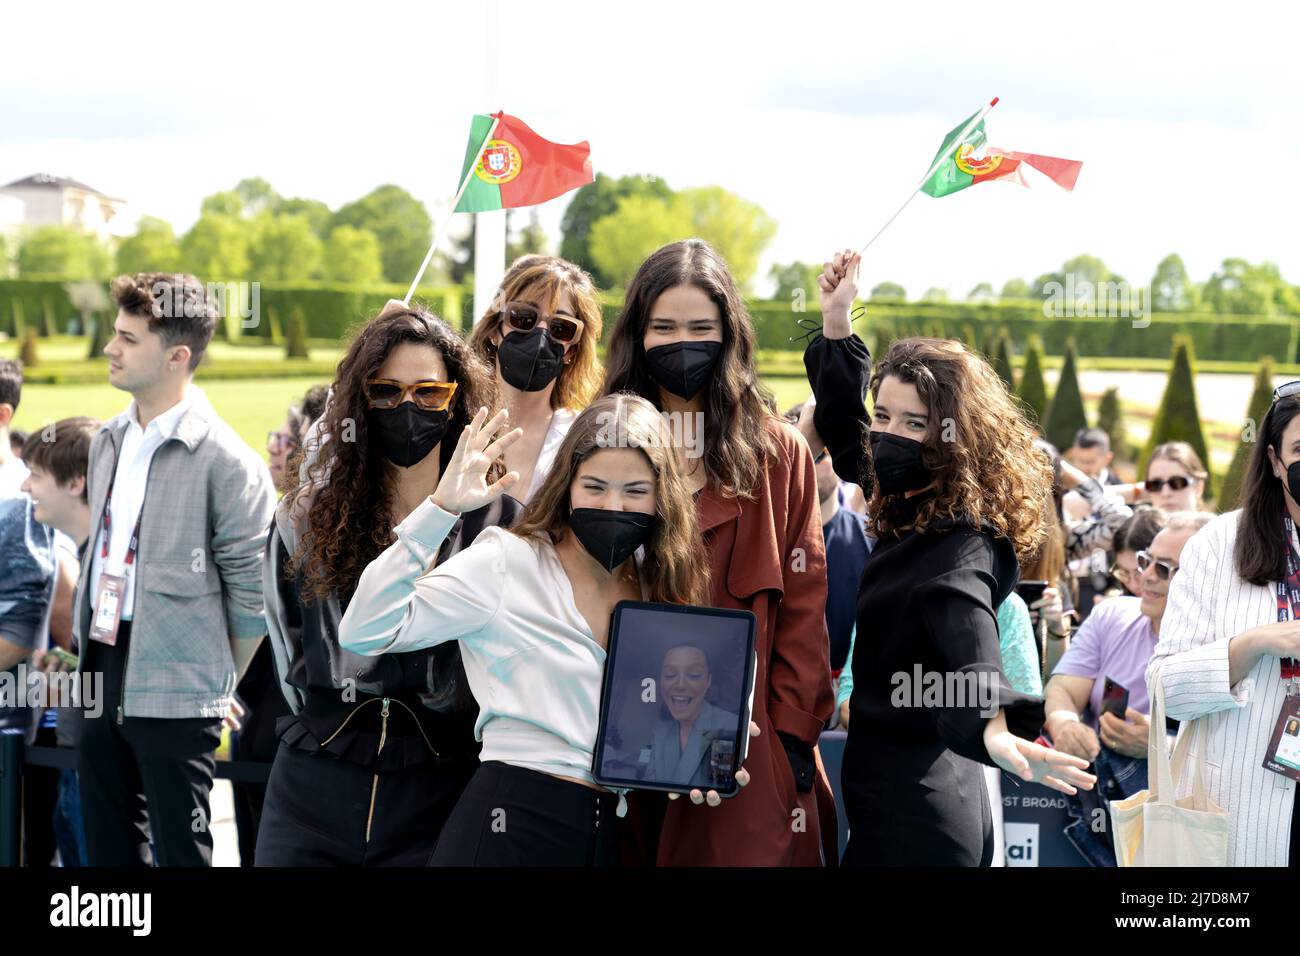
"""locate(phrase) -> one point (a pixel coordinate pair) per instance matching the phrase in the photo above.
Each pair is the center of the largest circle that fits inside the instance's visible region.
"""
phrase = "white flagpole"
(938, 161)
(446, 220)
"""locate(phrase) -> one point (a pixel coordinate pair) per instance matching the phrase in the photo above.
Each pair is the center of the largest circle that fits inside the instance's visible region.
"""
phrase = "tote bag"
(1152, 827)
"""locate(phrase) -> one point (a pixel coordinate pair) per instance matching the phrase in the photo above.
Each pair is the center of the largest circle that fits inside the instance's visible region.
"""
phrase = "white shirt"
(1209, 605)
(532, 662)
(561, 420)
(138, 447)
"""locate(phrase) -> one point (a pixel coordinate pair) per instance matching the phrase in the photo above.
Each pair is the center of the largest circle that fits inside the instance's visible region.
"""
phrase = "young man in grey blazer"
(169, 599)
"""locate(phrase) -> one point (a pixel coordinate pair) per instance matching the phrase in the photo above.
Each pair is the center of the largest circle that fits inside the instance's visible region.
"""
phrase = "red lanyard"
(1288, 593)
(108, 524)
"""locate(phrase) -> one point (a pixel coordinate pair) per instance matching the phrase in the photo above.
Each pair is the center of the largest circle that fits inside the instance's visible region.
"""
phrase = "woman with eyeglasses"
(1136, 534)
(1230, 645)
(1175, 480)
(541, 335)
(380, 747)
(958, 495)
(280, 445)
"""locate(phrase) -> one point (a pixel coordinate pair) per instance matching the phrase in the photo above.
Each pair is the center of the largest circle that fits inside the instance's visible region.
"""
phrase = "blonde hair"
(675, 568)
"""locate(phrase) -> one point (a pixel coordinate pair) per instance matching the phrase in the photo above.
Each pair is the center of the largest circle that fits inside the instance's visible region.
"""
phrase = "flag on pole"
(958, 167)
(516, 167)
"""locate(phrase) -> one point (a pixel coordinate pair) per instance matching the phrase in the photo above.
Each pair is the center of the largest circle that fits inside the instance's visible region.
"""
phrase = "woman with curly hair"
(379, 748)
(956, 499)
(540, 335)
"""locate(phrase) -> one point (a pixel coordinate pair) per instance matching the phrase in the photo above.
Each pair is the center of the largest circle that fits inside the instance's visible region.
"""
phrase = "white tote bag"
(1153, 828)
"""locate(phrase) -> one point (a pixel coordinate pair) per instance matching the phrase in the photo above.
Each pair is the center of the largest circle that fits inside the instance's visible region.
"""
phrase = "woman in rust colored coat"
(684, 340)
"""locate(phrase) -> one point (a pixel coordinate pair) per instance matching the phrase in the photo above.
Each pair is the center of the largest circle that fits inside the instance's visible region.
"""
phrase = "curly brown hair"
(351, 514)
(676, 570)
(979, 447)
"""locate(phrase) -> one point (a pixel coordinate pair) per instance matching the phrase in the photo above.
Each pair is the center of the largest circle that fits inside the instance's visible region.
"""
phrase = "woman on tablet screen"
(531, 610)
(692, 736)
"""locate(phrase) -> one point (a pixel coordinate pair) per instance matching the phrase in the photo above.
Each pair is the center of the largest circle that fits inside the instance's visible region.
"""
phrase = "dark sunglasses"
(431, 396)
(1164, 569)
(521, 317)
(818, 459)
(1176, 483)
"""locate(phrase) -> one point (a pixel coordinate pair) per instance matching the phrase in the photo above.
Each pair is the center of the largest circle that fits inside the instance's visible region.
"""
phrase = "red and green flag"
(958, 166)
(516, 167)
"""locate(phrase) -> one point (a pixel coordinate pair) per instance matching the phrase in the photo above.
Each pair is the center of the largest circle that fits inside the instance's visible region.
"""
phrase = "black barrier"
(14, 756)
(1034, 816)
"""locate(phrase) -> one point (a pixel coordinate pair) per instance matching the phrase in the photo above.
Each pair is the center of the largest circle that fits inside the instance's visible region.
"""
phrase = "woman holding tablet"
(956, 495)
(530, 609)
(685, 342)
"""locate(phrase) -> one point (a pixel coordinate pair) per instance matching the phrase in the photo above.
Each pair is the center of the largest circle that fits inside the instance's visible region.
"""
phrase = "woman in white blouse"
(531, 608)
(1229, 631)
(541, 334)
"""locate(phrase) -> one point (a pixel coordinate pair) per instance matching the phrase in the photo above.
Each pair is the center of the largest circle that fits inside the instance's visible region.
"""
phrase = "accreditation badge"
(108, 608)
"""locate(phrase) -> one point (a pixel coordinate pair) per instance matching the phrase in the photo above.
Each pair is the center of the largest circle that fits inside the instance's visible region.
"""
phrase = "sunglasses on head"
(1176, 483)
(1285, 390)
(522, 317)
(1164, 568)
(431, 396)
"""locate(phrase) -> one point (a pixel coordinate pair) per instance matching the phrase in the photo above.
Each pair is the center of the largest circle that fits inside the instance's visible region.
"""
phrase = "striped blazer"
(1208, 605)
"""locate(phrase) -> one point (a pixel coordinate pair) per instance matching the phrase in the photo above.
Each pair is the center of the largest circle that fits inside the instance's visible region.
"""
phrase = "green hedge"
(331, 309)
(35, 302)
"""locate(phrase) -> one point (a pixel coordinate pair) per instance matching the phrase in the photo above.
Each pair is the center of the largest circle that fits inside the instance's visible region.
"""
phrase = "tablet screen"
(677, 695)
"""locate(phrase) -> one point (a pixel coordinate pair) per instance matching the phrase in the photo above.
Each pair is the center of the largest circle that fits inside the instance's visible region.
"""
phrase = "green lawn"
(252, 407)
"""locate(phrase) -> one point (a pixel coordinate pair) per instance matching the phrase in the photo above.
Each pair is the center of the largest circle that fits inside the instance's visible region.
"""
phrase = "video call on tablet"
(675, 708)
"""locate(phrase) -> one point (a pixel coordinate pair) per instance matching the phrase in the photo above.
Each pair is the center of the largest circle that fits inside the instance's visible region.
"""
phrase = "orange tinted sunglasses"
(431, 396)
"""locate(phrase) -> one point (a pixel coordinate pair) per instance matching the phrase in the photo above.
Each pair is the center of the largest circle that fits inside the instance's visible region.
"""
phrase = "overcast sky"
(1184, 115)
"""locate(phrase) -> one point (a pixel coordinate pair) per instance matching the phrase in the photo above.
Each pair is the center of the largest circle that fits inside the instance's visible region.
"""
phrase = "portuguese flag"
(516, 167)
(958, 167)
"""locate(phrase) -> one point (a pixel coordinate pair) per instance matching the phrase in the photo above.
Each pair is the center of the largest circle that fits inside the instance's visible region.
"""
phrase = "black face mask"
(898, 463)
(611, 537)
(530, 360)
(1293, 480)
(407, 433)
(683, 368)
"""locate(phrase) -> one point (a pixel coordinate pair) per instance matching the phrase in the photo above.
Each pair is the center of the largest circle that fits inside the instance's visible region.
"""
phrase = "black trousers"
(40, 796)
(144, 779)
(323, 811)
(511, 816)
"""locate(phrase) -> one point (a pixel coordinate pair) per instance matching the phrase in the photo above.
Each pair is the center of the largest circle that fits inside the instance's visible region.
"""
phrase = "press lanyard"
(1288, 599)
(108, 525)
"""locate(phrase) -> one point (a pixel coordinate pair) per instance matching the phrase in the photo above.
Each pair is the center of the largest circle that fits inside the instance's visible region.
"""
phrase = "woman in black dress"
(956, 493)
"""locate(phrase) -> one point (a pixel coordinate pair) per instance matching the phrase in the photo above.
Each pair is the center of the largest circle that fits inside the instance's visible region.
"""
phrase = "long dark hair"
(737, 442)
(1260, 554)
(351, 514)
